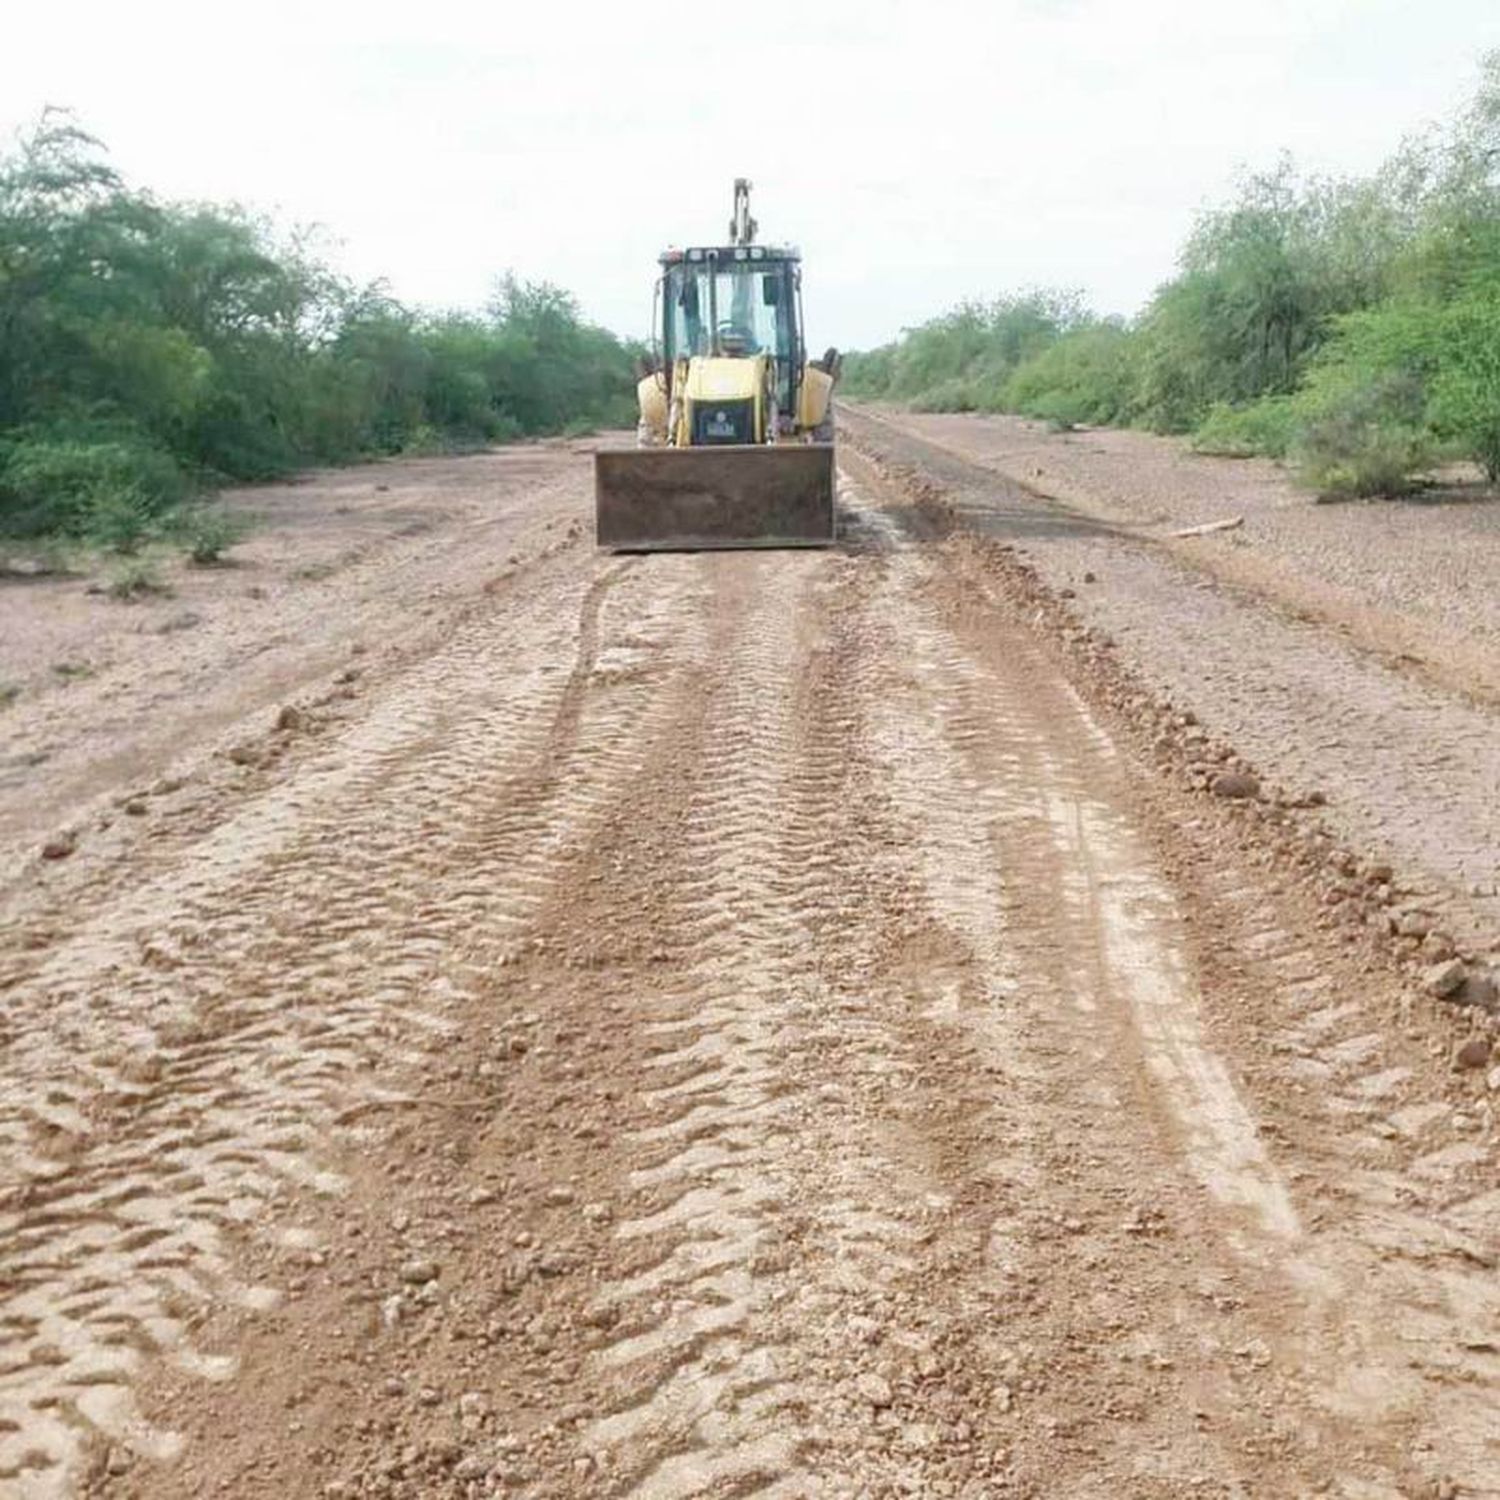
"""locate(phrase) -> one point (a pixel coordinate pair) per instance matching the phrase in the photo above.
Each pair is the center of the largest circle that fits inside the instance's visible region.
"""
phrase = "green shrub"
(962, 360)
(1086, 376)
(77, 487)
(955, 394)
(867, 373)
(425, 441)
(136, 578)
(1365, 440)
(1286, 300)
(1464, 386)
(146, 345)
(1267, 428)
(120, 518)
(207, 532)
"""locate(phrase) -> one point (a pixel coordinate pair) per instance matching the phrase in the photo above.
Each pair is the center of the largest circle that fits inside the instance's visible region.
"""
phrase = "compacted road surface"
(784, 1024)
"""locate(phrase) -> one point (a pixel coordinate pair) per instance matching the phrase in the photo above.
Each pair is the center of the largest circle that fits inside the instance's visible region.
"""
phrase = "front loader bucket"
(660, 499)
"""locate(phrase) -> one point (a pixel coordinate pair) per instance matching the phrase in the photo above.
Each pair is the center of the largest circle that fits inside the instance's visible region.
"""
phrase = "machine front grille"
(723, 422)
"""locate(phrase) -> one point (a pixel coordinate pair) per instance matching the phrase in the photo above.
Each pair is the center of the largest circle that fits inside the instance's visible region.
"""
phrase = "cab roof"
(730, 253)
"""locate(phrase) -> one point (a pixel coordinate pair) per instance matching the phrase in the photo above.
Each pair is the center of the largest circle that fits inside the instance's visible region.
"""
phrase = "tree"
(147, 349)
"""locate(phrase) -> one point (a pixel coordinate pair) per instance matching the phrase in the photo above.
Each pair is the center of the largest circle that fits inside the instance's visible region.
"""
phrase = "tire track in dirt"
(689, 1340)
(203, 1043)
(891, 1151)
(1397, 1269)
(959, 1164)
(764, 1202)
(840, 1021)
(1365, 1311)
(1012, 980)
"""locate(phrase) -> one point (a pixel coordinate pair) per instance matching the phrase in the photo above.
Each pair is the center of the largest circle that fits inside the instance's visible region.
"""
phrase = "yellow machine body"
(651, 397)
(709, 382)
(815, 398)
(735, 433)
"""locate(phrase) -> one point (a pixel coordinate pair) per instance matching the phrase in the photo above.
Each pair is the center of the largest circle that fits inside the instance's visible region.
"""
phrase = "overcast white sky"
(918, 153)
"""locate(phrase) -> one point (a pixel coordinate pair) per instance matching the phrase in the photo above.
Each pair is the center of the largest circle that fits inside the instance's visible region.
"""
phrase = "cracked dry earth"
(729, 1025)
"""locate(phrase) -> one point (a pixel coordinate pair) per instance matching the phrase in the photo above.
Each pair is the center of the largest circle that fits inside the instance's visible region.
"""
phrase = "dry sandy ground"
(1411, 579)
(721, 1025)
(107, 694)
(1385, 708)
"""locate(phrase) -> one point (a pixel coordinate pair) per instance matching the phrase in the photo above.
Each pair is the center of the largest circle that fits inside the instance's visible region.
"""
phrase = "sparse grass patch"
(207, 532)
(137, 578)
(41, 557)
(9, 692)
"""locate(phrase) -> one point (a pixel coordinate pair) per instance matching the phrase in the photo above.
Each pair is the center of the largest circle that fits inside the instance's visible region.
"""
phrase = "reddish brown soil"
(1385, 711)
(777, 1024)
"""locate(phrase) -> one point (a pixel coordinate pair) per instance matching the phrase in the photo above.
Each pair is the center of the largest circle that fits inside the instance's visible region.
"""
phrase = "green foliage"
(867, 372)
(120, 519)
(1085, 376)
(1260, 280)
(1351, 324)
(1362, 437)
(207, 532)
(76, 479)
(1464, 389)
(1435, 342)
(134, 578)
(954, 394)
(1268, 426)
(962, 361)
(1450, 332)
(148, 350)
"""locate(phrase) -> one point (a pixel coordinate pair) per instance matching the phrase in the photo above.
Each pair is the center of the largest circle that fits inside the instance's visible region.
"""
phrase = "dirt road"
(1386, 708)
(775, 1024)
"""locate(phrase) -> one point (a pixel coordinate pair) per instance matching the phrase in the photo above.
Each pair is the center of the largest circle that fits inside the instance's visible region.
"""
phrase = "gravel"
(1433, 559)
(1409, 768)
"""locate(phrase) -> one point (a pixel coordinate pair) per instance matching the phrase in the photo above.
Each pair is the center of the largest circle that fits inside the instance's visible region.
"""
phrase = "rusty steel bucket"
(685, 499)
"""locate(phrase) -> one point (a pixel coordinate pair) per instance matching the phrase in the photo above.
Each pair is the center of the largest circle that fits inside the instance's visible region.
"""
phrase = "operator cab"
(734, 302)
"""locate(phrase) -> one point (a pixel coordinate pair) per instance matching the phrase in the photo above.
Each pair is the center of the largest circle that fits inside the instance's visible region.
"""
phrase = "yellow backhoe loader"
(735, 440)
